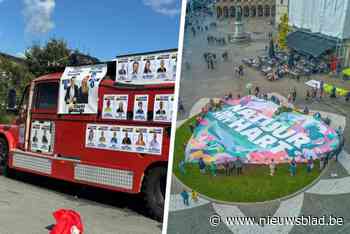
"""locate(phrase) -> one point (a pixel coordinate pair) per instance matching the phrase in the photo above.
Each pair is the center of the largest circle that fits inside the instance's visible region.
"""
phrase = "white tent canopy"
(329, 17)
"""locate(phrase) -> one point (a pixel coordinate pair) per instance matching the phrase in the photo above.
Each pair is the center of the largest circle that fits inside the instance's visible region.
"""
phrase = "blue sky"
(103, 28)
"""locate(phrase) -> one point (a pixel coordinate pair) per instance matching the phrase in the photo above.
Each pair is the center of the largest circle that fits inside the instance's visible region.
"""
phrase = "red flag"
(67, 222)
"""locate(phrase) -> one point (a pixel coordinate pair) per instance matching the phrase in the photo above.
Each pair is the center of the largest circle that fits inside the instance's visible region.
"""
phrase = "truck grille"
(42, 165)
(105, 176)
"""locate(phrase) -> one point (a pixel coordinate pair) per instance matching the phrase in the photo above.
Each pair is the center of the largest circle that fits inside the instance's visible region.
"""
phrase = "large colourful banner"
(150, 68)
(249, 128)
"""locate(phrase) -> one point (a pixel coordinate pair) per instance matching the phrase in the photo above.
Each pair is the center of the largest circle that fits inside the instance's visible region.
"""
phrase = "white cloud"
(165, 7)
(38, 15)
(20, 55)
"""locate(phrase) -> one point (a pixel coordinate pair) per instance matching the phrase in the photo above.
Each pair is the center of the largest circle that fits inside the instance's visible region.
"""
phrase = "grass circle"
(255, 185)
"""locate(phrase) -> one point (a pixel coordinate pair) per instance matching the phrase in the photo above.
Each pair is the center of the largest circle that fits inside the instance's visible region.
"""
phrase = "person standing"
(185, 196)
(272, 167)
(293, 167)
(194, 196)
(321, 162)
(309, 165)
(213, 168)
(294, 94)
(238, 165)
(321, 88)
(201, 164)
(182, 167)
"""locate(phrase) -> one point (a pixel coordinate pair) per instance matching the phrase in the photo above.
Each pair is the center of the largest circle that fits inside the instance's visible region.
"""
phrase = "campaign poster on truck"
(42, 136)
(140, 107)
(163, 107)
(79, 89)
(115, 107)
(137, 139)
(152, 68)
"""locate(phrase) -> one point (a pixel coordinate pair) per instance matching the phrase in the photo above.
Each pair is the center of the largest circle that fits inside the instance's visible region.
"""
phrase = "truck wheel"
(154, 191)
(4, 150)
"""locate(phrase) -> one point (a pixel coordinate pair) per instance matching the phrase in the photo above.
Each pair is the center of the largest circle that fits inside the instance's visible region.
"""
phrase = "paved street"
(27, 203)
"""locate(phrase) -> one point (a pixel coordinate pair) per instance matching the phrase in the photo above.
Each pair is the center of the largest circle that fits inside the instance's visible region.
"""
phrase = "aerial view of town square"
(262, 119)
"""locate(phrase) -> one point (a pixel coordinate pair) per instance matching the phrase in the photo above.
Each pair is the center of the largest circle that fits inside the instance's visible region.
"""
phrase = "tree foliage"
(51, 57)
(283, 30)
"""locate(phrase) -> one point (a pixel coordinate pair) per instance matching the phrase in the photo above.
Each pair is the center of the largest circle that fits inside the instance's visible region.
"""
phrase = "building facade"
(281, 9)
(249, 8)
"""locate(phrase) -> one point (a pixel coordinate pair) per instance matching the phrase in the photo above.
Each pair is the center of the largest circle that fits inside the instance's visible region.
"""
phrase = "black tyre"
(153, 190)
(4, 151)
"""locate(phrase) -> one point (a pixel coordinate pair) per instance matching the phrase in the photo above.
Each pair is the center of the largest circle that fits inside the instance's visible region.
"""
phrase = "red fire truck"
(103, 140)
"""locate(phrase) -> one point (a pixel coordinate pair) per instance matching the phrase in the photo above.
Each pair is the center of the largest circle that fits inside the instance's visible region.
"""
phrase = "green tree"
(12, 76)
(49, 58)
(283, 29)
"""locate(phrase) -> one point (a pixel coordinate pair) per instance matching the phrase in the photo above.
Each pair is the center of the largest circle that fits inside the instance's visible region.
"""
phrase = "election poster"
(42, 136)
(114, 138)
(127, 136)
(135, 68)
(148, 64)
(79, 89)
(163, 64)
(155, 137)
(137, 139)
(140, 107)
(152, 68)
(163, 107)
(122, 68)
(173, 66)
(90, 139)
(102, 132)
(115, 107)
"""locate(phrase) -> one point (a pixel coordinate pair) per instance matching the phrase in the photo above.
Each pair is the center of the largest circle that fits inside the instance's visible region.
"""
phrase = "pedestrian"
(293, 167)
(182, 167)
(289, 98)
(309, 165)
(294, 94)
(227, 167)
(238, 166)
(272, 167)
(257, 91)
(321, 88)
(201, 165)
(231, 167)
(213, 168)
(321, 162)
(194, 196)
(185, 196)
(307, 95)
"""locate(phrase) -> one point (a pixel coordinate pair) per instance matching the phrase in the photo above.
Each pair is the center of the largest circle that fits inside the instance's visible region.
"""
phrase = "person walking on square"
(185, 196)
(194, 195)
(272, 167)
(201, 164)
(294, 94)
(293, 167)
(321, 88)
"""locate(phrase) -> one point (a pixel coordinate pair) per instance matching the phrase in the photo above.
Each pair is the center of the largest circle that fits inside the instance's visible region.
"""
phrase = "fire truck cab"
(112, 147)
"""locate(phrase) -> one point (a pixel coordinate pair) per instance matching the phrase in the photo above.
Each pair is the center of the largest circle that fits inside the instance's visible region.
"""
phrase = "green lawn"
(255, 185)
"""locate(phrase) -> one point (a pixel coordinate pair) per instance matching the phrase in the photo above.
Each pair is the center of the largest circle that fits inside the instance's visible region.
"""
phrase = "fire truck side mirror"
(11, 101)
